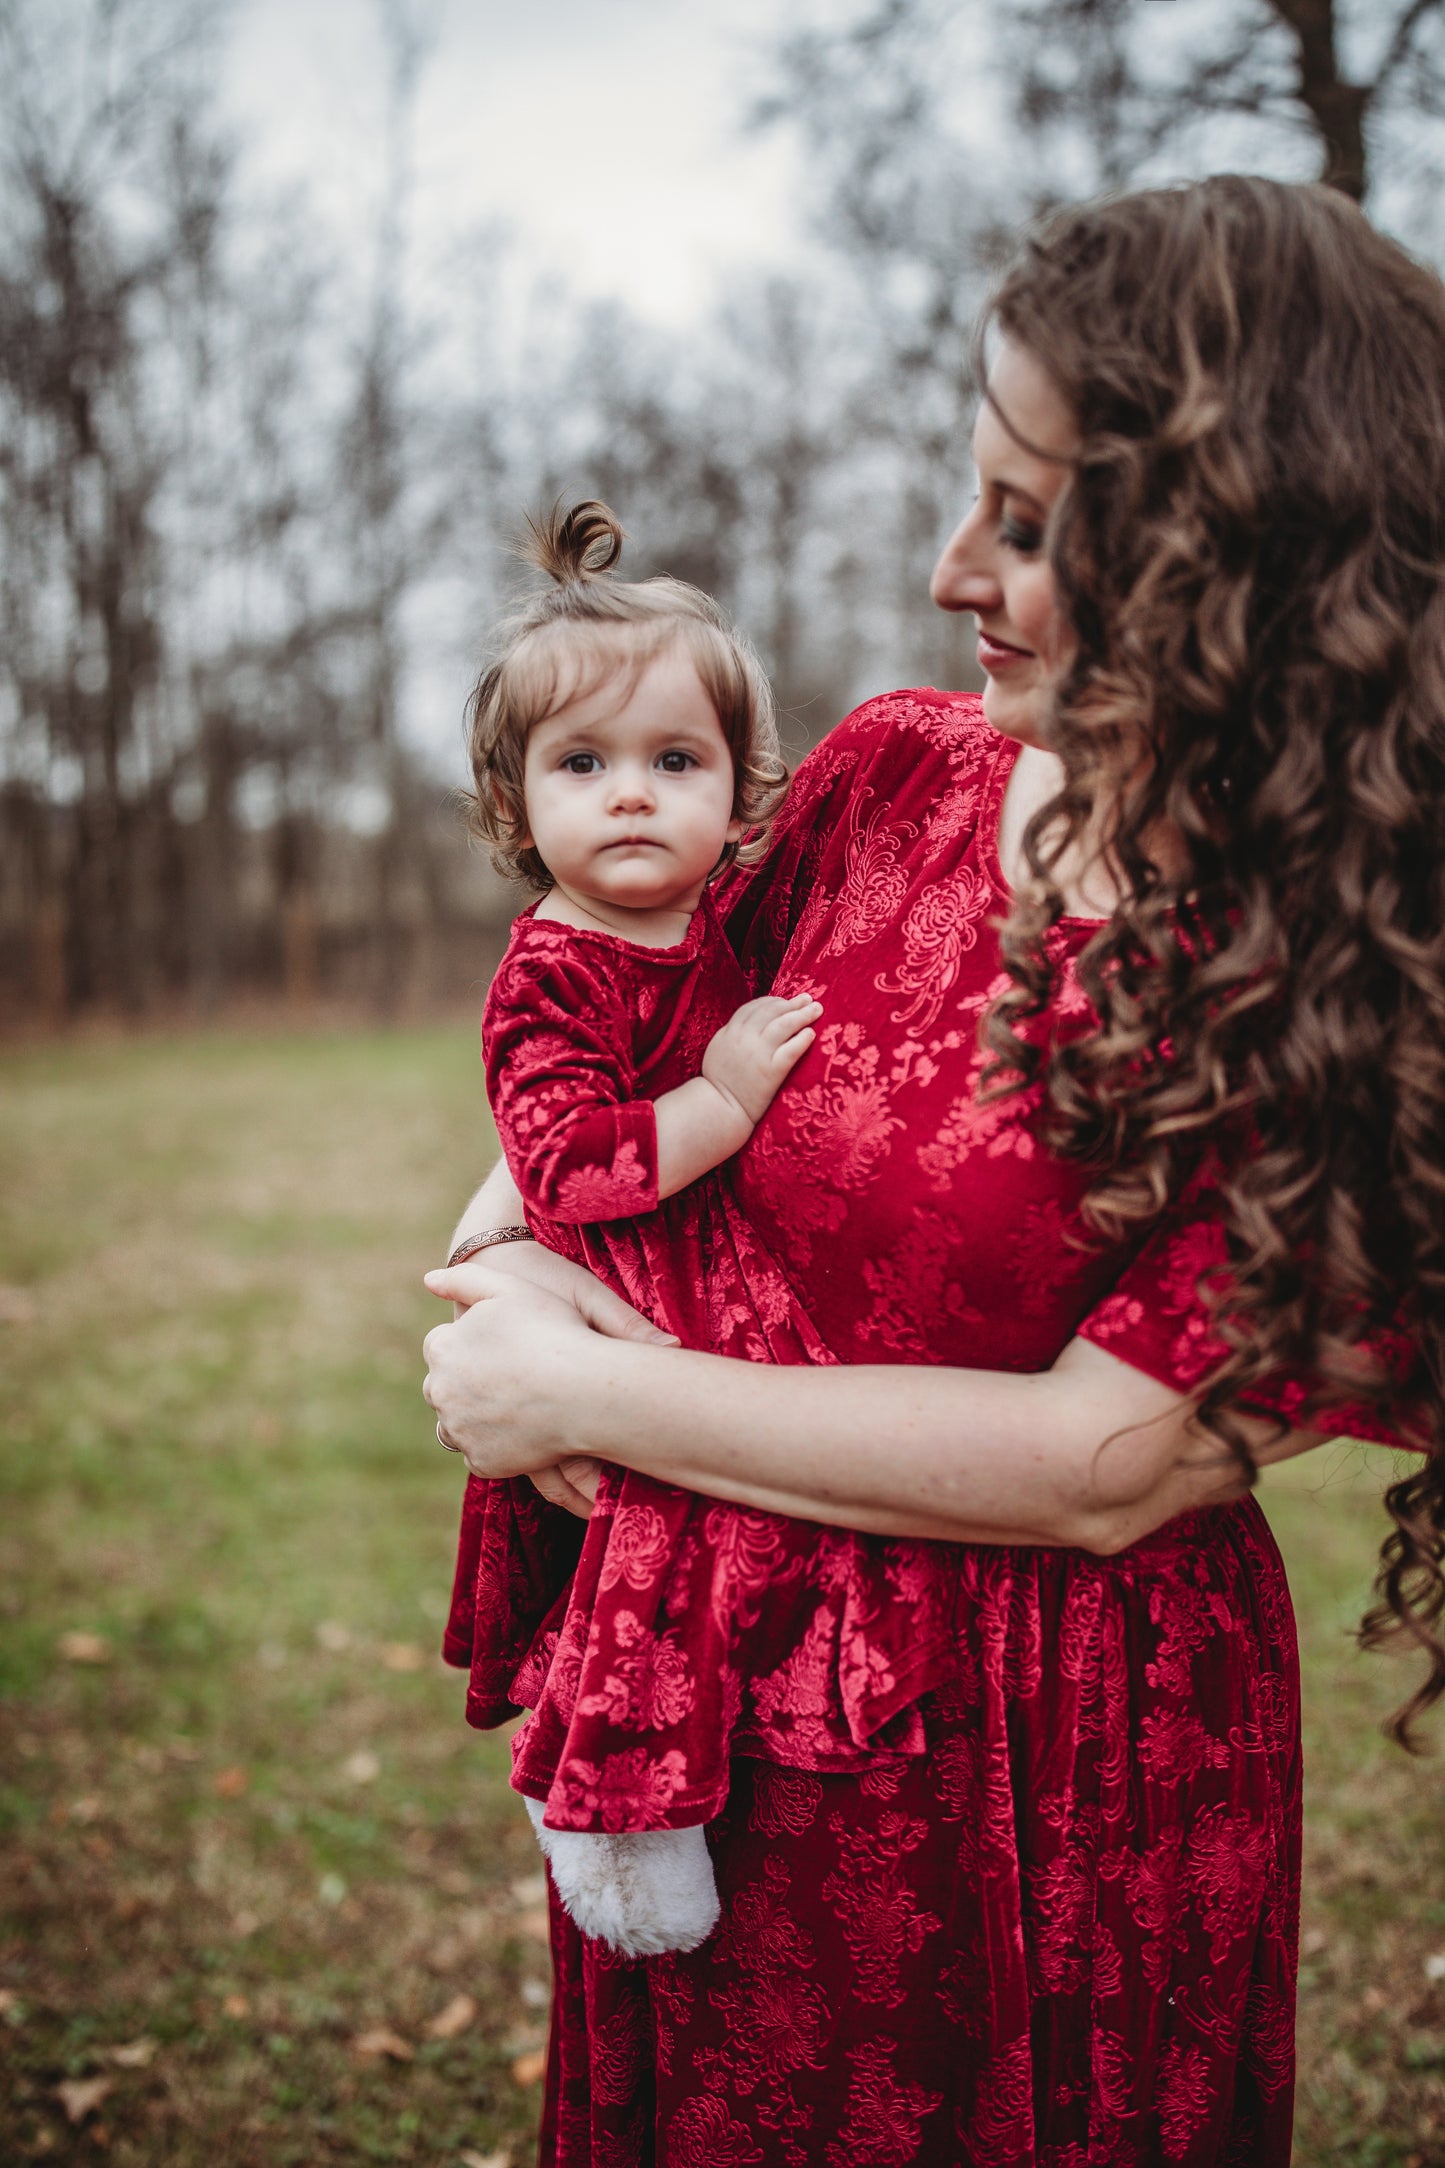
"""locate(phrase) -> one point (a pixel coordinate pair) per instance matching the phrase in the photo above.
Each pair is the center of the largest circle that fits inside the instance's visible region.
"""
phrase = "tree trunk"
(1336, 107)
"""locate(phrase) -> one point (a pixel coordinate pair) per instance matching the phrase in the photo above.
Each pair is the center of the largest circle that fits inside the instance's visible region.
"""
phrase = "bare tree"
(81, 460)
(1149, 93)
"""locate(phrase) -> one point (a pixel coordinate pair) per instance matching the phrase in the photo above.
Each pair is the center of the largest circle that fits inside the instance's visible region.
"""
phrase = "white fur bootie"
(641, 1890)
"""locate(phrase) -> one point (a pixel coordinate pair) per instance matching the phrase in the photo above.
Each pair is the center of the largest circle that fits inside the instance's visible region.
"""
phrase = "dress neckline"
(683, 951)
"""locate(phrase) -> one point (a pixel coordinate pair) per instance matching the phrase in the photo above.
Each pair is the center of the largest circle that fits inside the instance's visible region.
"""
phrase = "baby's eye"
(581, 764)
(675, 762)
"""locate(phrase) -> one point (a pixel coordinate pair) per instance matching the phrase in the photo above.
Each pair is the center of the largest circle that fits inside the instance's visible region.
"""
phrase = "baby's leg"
(643, 1891)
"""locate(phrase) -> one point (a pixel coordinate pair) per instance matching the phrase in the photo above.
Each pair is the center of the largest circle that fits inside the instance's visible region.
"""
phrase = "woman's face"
(994, 564)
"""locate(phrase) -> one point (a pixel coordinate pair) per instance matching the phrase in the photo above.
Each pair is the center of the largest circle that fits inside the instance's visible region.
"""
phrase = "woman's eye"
(676, 763)
(581, 763)
(1024, 541)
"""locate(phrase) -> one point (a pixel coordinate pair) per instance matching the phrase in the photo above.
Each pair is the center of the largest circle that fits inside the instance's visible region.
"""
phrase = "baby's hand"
(748, 1059)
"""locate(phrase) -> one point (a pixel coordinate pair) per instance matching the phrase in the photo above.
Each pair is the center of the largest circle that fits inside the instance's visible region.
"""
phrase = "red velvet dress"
(1064, 1937)
(687, 1630)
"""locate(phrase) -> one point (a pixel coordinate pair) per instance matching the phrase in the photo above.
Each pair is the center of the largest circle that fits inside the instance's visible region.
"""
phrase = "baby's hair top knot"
(574, 545)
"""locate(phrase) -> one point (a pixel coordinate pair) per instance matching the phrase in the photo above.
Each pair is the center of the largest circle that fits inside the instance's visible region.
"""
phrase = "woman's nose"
(963, 578)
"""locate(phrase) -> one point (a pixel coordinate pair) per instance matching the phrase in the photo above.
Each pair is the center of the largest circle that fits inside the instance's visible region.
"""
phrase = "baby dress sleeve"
(557, 1043)
(1155, 1319)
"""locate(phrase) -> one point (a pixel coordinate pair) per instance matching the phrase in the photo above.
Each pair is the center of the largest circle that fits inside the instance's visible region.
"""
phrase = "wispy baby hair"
(572, 637)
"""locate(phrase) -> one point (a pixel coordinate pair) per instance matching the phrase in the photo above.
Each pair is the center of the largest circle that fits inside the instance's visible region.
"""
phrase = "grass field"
(263, 1899)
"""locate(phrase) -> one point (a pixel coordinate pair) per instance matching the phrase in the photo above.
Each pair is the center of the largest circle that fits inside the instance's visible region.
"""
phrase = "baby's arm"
(706, 1120)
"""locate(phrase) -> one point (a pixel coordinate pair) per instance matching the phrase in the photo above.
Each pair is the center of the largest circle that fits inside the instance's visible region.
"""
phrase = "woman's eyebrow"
(1025, 496)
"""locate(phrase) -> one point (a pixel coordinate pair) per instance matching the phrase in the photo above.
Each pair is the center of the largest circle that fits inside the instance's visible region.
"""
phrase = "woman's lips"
(996, 655)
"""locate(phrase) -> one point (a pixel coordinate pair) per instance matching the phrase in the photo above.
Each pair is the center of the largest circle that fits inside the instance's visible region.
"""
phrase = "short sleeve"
(556, 1039)
(1155, 1320)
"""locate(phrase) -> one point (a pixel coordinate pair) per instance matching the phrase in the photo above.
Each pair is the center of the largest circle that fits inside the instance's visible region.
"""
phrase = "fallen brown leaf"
(79, 1648)
(244, 1924)
(80, 2097)
(132, 2054)
(531, 2068)
(381, 2040)
(469, 2159)
(362, 1767)
(455, 2019)
(99, 1847)
(9, 2001)
(230, 1783)
(403, 1656)
(236, 2006)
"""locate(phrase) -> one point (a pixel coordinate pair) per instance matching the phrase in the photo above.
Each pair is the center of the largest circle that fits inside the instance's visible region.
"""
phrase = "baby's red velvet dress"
(675, 1631)
(1064, 1935)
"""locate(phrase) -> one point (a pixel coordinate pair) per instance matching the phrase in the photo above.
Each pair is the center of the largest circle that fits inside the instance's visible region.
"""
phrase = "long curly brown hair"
(1251, 548)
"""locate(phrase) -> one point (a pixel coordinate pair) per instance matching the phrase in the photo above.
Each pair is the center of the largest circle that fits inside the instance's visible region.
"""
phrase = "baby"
(625, 753)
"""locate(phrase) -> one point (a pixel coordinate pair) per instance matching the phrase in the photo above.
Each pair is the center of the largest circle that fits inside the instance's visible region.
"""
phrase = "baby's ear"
(735, 831)
(504, 812)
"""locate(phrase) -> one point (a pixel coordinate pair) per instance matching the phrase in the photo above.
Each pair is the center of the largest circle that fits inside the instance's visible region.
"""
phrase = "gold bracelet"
(486, 1241)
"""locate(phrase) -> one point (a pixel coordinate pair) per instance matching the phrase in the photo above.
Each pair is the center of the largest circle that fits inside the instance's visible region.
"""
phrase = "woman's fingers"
(490, 1375)
(558, 1488)
(595, 1304)
(615, 1319)
(461, 1285)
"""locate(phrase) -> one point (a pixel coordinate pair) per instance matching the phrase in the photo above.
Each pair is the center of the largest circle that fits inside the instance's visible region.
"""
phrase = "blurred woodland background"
(242, 482)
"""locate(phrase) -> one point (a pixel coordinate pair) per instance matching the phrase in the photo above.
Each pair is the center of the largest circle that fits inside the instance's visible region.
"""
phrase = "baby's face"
(629, 790)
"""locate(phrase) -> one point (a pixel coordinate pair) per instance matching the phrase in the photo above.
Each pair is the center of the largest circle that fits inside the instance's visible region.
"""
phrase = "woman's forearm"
(1091, 1453)
(976, 1456)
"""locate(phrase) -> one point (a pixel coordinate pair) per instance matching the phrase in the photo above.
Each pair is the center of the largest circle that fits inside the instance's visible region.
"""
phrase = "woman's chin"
(1014, 713)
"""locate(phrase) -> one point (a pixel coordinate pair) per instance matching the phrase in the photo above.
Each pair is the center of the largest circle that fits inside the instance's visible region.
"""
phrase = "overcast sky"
(604, 133)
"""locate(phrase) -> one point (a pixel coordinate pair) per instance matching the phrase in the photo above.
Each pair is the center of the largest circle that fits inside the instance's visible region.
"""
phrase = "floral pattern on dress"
(688, 1629)
(1087, 1959)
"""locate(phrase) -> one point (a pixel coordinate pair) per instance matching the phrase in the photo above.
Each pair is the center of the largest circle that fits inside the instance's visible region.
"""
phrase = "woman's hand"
(543, 1269)
(571, 1483)
(506, 1378)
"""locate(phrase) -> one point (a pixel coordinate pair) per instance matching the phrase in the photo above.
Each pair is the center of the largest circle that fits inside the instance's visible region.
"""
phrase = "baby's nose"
(632, 786)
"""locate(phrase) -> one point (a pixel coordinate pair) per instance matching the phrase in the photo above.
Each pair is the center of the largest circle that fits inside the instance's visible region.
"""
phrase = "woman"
(1192, 1224)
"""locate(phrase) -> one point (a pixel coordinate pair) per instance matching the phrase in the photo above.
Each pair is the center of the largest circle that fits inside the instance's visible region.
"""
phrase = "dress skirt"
(1064, 1937)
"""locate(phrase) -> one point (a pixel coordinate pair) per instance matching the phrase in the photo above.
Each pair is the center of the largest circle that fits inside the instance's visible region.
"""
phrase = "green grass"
(260, 1829)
